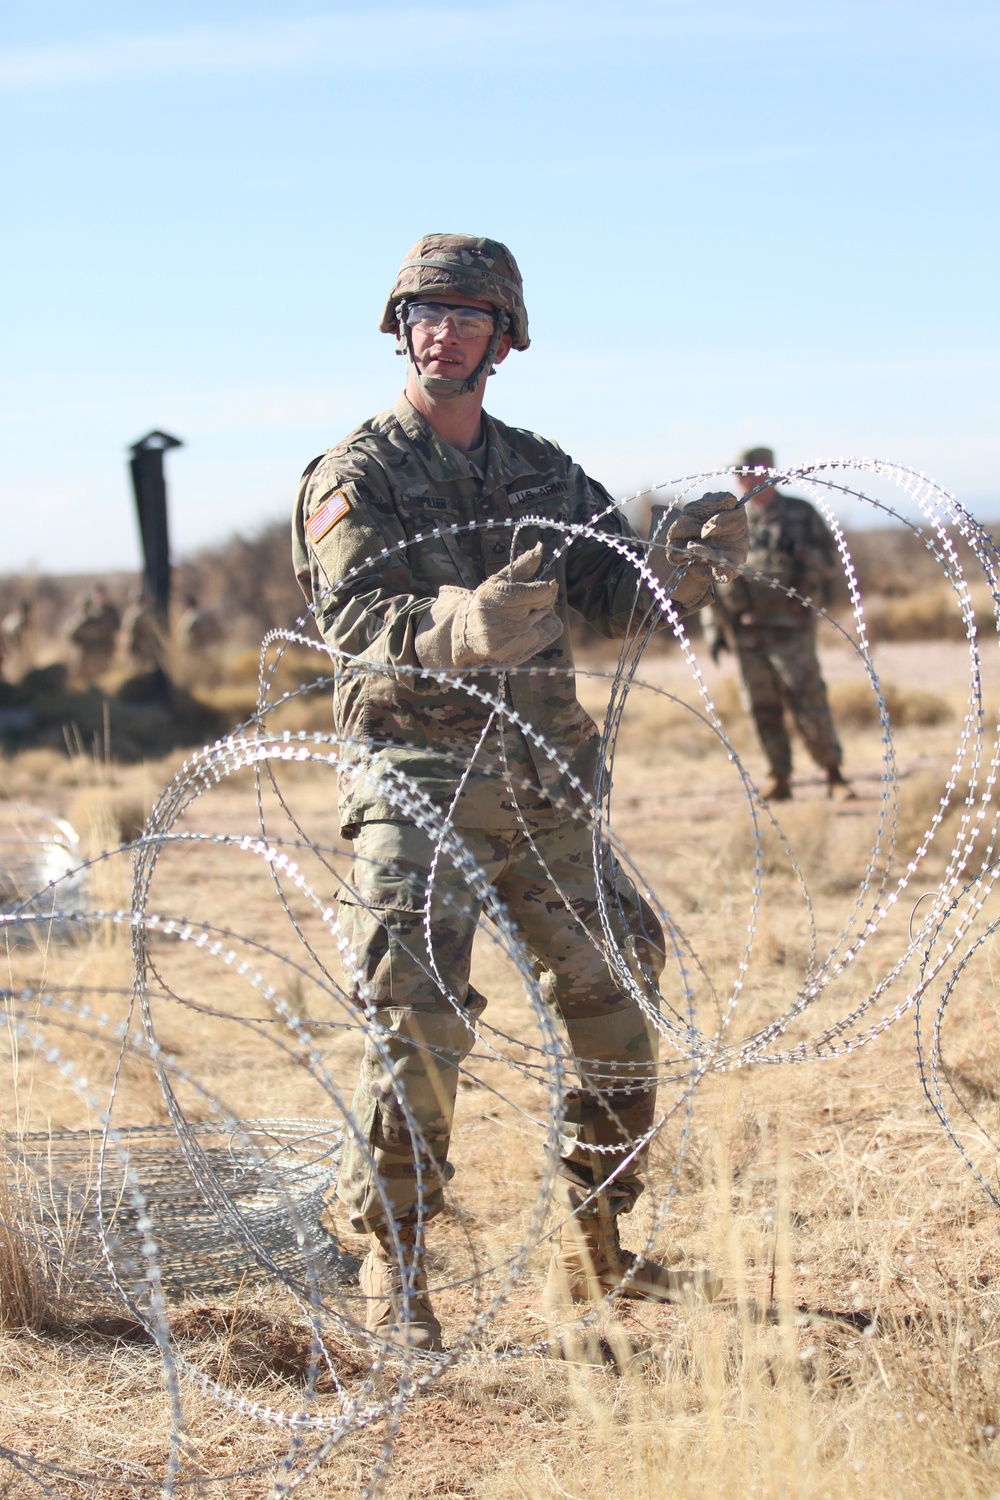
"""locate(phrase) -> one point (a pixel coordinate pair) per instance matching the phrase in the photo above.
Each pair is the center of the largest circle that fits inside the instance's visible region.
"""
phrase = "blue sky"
(737, 224)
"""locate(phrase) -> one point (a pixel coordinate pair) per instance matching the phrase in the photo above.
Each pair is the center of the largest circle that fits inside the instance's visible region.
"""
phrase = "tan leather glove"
(707, 542)
(502, 623)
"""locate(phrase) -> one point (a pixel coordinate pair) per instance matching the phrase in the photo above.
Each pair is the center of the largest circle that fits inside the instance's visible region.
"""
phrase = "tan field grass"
(929, 614)
(40, 1291)
(25, 1302)
(856, 1349)
(855, 706)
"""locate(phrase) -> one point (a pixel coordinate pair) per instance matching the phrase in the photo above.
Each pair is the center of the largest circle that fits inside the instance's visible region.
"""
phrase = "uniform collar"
(445, 461)
(441, 459)
(501, 460)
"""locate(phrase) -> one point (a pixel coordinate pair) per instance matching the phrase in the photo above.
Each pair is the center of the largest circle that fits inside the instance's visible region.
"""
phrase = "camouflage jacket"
(791, 545)
(95, 627)
(413, 515)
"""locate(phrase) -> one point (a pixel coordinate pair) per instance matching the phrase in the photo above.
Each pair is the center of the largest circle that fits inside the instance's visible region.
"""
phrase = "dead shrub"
(107, 816)
(656, 722)
(854, 706)
(23, 1300)
(233, 691)
(296, 667)
(243, 668)
(932, 614)
(895, 561)
(37, 1237)
(975, 1077)
(234, 702)
(35, 768)
(920, 800)
(804, 825)
(247, 581)
(249, 1345)
(830, 851)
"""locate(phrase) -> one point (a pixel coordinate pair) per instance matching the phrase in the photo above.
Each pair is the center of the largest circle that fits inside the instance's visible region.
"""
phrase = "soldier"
(93, 630)
(200, 629)
(416, 603)
(17, 636)
(774, 633)
(201, 634)
(143, 634)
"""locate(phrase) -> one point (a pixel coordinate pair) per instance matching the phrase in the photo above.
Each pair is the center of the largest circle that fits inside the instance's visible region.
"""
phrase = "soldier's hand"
(502, 623)
(713, 528)
(510, 617)
(707, 535)
(719, 644)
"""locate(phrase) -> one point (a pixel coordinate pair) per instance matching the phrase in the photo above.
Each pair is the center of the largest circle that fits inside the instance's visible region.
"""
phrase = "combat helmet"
(756, 458)
(481, 268)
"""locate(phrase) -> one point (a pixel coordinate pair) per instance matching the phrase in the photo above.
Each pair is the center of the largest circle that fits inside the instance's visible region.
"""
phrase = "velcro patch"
(333, 509)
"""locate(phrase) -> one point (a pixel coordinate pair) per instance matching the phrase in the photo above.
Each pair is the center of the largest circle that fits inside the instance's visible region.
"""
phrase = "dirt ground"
(855, 1348)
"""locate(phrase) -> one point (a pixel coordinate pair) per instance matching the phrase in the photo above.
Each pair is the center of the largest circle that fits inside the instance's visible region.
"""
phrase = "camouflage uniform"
(371, 577)
(94, 632)
(200, 629)
(17, 635)
(775, 636)
(143, 634)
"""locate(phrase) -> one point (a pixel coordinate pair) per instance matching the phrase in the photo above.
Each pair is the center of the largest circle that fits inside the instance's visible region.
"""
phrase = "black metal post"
(150, 487)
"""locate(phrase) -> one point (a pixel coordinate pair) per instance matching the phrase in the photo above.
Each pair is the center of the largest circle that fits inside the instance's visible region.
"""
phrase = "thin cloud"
(686, 161)
(555, 34)
(327, 42)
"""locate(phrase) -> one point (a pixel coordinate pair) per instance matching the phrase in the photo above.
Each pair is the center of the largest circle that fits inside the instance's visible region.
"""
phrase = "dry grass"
(857, 1350)
(40, 1288)
(25, 1303)
(931, 614)
(855, 706)
(39, 1223)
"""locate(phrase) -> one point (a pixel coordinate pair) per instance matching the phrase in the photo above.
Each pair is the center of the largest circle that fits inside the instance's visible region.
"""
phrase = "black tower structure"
(150, 487)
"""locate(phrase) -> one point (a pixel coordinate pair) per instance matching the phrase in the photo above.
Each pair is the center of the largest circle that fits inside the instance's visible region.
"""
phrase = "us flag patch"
(333, 509)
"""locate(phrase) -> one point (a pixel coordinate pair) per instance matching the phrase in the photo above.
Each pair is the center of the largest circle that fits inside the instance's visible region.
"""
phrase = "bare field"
(856, 1350)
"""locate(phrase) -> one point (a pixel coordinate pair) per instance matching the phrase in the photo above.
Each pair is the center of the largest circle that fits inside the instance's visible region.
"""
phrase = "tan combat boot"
(837, 787)
(398, 1314)
(778, 789)
(590, 1263)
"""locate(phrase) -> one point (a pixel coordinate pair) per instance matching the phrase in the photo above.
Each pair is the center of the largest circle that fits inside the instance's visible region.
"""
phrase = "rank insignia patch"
(333, 509)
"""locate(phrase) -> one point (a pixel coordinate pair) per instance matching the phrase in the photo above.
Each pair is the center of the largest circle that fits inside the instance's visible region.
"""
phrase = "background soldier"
(409, 614)
(774, 634)
(143, 634)
(93, 630)
(200, 629)
(201, 634)
(17, 637)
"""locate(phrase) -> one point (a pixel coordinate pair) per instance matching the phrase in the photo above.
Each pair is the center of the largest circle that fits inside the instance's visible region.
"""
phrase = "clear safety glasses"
(468, 322)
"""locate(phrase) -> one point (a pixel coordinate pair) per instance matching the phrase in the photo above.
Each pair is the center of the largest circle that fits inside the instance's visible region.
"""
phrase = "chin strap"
(440, 385)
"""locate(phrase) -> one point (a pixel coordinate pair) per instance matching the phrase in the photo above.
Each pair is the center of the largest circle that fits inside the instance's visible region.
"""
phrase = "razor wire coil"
(217, 1186)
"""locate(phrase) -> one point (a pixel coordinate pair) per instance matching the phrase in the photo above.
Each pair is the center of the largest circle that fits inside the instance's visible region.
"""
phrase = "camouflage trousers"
(427, 1036)
(780, 669)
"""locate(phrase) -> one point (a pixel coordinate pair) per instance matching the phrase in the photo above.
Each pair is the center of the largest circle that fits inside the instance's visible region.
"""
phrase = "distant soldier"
(774, 634)
(17, 638)
(143, 634)
(200, 629)
(93, 630)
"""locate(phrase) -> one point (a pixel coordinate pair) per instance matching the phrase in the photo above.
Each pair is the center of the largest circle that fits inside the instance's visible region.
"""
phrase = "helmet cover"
(480, 268)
